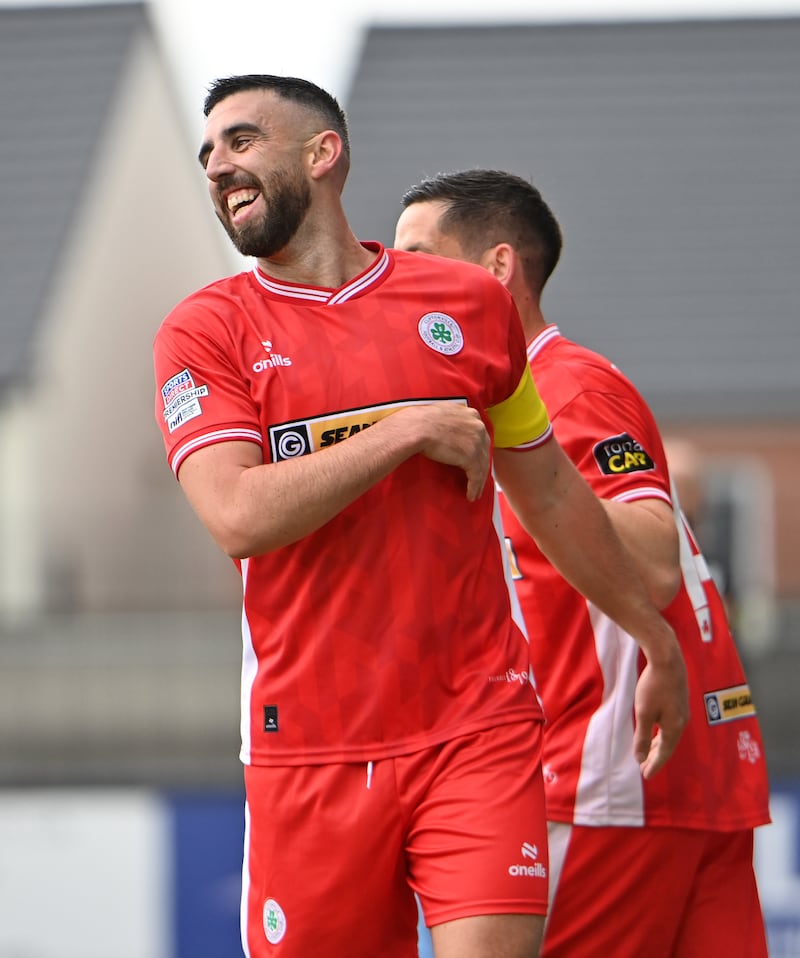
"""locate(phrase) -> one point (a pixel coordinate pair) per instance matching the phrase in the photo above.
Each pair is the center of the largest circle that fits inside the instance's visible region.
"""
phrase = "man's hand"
(457, 437)
(661, 709)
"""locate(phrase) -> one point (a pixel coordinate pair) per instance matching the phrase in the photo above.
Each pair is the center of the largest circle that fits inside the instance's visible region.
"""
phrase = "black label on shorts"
(270, 718)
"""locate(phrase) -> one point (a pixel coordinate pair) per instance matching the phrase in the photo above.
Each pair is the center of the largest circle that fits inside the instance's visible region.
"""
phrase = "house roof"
(59, 69)
(668, 151)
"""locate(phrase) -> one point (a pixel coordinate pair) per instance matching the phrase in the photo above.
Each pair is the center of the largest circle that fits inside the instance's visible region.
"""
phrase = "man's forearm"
(648, 531)
(573, 530)
(252, 507)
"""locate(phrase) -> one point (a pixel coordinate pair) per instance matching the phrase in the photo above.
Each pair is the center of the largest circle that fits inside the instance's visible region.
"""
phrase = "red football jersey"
(395, 626)
(586, 667)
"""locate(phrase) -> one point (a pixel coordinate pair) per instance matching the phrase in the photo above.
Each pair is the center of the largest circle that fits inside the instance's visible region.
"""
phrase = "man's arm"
(647, 529)
(571, 527)
(251, 507)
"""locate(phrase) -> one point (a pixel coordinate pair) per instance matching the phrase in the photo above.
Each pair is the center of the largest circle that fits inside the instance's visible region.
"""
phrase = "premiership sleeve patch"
(620, 454)
(181, 397)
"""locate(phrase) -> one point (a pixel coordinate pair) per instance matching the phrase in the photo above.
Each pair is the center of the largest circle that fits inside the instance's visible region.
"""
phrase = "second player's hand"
(661, 712)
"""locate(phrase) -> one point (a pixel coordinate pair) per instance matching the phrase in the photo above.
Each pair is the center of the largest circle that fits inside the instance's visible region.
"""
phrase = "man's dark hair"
(487, 207)
(304, 92)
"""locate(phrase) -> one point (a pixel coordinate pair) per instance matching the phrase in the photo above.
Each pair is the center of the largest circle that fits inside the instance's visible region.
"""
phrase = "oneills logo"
(271, 360)
(534, 870)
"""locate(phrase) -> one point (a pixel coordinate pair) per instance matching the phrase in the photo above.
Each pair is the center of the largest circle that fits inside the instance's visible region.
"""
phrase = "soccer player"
(332, 416)
(639, 866)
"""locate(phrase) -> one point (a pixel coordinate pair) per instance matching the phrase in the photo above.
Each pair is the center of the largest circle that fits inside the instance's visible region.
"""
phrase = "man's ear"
(324, 152)
(501, 261)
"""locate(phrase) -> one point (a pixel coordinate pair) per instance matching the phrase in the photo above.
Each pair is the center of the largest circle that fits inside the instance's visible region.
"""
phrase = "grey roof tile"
(59, 68)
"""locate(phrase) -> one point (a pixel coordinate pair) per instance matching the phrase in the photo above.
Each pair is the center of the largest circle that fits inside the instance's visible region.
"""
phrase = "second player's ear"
(500, 260)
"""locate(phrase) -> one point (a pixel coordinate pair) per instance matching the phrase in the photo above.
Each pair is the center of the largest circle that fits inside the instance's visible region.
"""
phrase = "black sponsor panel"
(621, 454)
(288, 442)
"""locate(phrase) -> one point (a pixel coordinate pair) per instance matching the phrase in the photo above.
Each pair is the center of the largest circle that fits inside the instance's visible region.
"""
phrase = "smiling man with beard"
(332, 416)
(288, 199)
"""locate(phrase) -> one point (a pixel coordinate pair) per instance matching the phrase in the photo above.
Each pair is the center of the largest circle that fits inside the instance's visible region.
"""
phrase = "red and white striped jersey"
(586, 667)
(395, 626)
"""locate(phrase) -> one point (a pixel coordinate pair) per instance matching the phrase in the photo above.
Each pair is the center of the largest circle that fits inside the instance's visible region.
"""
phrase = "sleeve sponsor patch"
(621, 454)
(181, 399)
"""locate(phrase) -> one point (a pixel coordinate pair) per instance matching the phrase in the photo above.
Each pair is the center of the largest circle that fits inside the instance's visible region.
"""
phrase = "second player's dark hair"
(487, 207)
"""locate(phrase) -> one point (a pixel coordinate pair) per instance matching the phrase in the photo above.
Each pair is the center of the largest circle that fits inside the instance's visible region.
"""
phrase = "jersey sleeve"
(201, 398)
(615, 444)
(521, 421)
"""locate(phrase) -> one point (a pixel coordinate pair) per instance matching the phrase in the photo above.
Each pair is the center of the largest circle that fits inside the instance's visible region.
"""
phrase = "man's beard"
(289, 200)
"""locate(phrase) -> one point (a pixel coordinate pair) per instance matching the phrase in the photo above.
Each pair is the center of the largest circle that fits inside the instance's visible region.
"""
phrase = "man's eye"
(240, 142)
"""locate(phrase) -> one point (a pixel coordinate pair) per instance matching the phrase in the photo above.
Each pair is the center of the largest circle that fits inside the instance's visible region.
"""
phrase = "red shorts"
(659, 892)
(335, 853)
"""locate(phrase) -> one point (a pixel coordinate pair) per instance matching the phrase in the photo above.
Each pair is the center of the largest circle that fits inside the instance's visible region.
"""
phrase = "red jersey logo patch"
(620, 454)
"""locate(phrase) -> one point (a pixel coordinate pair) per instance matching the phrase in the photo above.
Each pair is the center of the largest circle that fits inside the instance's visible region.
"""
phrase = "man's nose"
(218, 164)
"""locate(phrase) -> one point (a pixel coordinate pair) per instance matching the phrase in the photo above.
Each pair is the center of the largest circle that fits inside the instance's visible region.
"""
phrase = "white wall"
(83, 875)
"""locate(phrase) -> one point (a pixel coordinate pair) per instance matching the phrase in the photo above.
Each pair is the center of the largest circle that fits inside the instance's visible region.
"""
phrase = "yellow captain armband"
(522, 418)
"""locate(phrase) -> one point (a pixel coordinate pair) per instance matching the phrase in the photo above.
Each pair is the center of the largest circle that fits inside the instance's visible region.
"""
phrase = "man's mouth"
(239, 199)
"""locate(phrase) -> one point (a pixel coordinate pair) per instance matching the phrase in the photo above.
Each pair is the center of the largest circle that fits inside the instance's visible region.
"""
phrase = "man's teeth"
(241, 198)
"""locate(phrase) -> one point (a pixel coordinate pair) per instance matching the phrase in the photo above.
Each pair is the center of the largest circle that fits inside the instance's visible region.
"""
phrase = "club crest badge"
(441, 333)
(274, 921)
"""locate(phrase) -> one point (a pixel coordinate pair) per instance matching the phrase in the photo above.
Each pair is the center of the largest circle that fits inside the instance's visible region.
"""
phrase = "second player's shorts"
(335, 853)
(659, 892)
